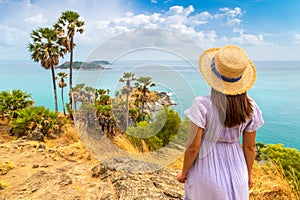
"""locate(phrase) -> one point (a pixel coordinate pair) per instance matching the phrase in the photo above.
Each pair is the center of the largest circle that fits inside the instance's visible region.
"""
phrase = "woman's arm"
(191, 152)
(249, 149)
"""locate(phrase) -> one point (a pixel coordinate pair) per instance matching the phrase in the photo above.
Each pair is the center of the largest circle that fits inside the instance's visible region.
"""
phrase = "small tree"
(78, 94)
(127, 89)
(143, 84)
(159, 133)
(171, 126)
(62, 84)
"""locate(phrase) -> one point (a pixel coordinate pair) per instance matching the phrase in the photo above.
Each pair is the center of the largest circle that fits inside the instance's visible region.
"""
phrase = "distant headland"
(98, 64)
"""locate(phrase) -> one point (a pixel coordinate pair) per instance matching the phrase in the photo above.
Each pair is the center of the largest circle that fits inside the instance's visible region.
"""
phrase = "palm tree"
(142, 85)
(62, 84)
(11, 102)
(127, 89)
(89, 93)
(117, 94)
(78, 94)
(66, 27)
(44, 49)
(104, 98)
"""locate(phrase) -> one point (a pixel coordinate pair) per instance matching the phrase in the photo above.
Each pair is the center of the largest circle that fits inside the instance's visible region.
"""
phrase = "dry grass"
(69, 146)
(68, 136)
(4, 120)
(3, 184)
(178, 164)
(122, 142)
(5, 167)
(269, 182)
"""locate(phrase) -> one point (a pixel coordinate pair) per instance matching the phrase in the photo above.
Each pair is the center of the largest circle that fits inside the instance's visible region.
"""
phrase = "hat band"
(219, 75)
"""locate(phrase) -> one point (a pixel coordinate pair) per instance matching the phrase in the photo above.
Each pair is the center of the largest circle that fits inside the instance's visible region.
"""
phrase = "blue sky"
(266, 29)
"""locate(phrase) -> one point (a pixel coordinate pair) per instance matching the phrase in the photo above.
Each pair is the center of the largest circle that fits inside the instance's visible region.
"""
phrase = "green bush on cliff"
(37, 118)
(159, 133)
(13, 101)
(288, 158)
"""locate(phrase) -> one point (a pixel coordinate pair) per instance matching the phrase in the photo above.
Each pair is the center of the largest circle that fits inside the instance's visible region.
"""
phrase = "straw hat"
(227, 69)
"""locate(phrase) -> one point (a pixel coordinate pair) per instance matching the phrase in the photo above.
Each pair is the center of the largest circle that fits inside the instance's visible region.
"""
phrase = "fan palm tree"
(127, 89)
(62, 84)
(89, 93)
(11, 102)
(78, 94)
(143, 83)
(44, 49)
(66, 27)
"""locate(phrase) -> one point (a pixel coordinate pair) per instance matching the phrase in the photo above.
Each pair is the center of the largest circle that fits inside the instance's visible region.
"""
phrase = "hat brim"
(229, 88)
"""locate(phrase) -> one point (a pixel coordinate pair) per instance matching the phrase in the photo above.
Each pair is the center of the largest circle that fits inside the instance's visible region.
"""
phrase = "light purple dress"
(220, 171)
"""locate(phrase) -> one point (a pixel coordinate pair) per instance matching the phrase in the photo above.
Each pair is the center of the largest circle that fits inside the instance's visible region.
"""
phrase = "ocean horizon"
(276, 90)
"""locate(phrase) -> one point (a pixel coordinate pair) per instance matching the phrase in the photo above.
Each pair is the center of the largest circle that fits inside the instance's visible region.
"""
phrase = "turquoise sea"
(277, 88)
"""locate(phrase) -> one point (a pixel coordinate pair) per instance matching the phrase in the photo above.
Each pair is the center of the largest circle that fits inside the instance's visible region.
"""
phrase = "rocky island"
(98, 64)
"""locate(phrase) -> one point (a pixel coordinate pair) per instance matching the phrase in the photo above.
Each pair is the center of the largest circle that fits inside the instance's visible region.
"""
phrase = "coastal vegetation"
(275, 172)
(287, 158)
(37, 122)
(13, 101)
(137, 119)
(50, 44)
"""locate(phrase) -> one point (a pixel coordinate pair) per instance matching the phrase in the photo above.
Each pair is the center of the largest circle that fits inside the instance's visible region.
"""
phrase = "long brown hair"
(233, 110)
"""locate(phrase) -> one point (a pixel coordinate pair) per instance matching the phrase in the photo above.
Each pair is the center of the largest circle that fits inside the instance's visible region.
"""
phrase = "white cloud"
(236, 12)
(181, 19)
(28, 4)
(232, 22)
(38, 19)
(246, 39)
(230, 16)
(180, 10)
(296, 38)
(153, 1)
(10, 36)
(204, 16)
(208, 29)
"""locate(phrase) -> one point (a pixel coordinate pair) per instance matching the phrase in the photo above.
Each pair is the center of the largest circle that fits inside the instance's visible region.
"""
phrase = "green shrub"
(37, 118)
(182, 133)
(143, 131)
(288, 158)
(13, 101)
(171, 126)
(159, 133)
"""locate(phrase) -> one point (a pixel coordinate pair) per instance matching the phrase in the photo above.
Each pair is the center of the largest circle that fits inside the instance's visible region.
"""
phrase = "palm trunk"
(54, 88)
(127, 110)
(143, 99)
(71, 71)
(62, 99)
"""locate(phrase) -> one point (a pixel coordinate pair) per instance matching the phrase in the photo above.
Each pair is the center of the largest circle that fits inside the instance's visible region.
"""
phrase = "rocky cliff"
(66, 170)
(63, 169)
